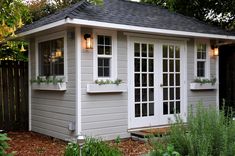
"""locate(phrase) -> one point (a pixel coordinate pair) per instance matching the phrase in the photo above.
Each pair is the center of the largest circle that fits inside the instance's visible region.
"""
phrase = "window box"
(202, 86)
(106, 88)
(49, 86)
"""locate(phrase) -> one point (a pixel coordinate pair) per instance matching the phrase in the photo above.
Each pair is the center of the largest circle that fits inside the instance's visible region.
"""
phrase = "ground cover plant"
(4, 145)
(208, 132)
(92, 147)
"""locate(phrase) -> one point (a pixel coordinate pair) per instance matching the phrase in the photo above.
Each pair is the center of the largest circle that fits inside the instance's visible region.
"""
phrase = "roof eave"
(126, 27)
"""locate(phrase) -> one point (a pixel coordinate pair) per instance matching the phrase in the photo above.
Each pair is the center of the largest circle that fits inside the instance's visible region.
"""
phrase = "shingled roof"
(131, 14)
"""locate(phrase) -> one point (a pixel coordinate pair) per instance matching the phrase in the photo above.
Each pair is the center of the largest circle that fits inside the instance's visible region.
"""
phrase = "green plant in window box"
(47, 80)
(103, 82)
(204, 81)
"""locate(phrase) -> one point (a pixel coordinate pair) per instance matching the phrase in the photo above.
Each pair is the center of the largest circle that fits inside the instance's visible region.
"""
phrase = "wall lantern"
(87, 37)
(58, 53)
(216, 51)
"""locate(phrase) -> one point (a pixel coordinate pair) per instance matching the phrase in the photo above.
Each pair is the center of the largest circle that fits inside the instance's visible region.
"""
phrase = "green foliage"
(208, 132)
(117, 140)
(203, 81)
(49, 79)
(161, 148)
(92, 147)
(217, 12)
(4, 145)
(103, 82)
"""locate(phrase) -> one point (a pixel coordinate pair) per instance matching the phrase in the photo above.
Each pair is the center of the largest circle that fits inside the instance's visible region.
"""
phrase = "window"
(105, 55)
(51, 57)
(201, 60)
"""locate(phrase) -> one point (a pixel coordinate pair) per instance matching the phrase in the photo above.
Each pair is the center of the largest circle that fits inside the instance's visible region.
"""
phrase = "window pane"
(177, 77)
(151, 94)
(103, 67)
(144, 80)
(165, 65)
(165, 51)
(137, 95)
(100, 40)
(151, 65)
(177, 107)
(51, 57)
(144, 65)
(151, 50)
(177, 65)
(172, 94)
(172, 79)
(165, 79)
(137, 80)
(165, 94)
(144, 94)
(177, 93)
(100, 50)
(137, 65)
(171, 51)
(151, 80)
(108, 50)
(177, 52)
(144, 109)
(144, 50)
(165, 108)
(137, 49)
(108, 40)
(200, 69)
(171, 65)
(137, 110)
(151, 109)
(172, 108)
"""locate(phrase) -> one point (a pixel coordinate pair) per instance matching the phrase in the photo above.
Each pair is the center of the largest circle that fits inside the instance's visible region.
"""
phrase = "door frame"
(157, 43)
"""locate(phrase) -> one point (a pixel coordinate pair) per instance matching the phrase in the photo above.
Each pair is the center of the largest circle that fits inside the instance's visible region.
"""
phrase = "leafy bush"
(161, 148)
(208, 132)
(4, 145)
(92, 147)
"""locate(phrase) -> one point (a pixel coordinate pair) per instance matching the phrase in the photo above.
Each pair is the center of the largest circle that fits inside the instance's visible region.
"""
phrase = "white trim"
(30, 89)
(185, 77)
(61, 34)
(130, 78)
(44, 27)
(125, 27)
(78, 49)
(207, 60)
(139, 35)
(113, 69)
(217, 81)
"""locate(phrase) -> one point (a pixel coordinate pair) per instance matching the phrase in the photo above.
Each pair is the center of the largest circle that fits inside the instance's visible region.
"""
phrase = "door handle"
(161, 85)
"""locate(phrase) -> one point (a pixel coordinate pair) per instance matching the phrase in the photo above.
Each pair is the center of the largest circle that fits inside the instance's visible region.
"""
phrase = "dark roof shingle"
(130, 13)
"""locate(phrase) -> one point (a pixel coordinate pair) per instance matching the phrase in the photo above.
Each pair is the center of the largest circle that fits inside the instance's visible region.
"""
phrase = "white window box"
(202, 86)
(49, 86)
(106, 88)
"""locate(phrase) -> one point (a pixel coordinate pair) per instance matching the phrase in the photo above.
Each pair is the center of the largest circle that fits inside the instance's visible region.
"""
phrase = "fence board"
(13, 95)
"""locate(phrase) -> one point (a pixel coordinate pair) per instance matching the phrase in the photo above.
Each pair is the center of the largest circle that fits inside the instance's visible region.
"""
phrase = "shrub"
(92, 147)
(4, 145)
(208, 132)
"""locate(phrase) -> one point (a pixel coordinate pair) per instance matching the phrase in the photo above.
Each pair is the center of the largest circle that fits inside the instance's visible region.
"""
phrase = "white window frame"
(207, 60)
(113, 61)
(62, 34)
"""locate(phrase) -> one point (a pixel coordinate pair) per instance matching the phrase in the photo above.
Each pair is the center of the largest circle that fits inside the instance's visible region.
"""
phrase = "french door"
(156, 82)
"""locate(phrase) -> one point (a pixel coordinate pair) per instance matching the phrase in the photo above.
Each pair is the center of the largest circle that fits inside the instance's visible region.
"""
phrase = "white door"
(156, 82)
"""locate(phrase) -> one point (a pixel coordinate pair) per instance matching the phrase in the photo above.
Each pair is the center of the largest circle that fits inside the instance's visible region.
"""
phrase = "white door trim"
(157, 44)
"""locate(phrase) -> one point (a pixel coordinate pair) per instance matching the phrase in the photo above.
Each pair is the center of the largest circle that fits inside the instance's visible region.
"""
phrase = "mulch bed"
(34, 144)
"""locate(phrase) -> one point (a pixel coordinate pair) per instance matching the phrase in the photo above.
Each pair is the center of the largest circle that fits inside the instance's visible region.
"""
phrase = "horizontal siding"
(104, 115)
(194, 97)
(52, 111)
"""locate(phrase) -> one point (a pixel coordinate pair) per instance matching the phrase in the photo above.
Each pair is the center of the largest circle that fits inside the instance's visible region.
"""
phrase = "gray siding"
(194, 97)
(104, 115)
(52, 111)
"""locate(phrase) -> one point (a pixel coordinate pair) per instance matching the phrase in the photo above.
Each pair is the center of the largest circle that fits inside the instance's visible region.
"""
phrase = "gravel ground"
(34, 144)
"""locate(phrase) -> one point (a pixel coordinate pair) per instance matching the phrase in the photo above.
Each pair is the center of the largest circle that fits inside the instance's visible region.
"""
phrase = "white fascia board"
(45, 27)
(126, 27)
(148, 30)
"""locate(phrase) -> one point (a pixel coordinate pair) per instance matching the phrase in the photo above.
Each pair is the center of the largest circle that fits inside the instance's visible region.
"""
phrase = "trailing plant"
(49, 79)
(203, 81)
(103, 82)
(117, 140)
(208, 132)
(3, 145)
(92, 147)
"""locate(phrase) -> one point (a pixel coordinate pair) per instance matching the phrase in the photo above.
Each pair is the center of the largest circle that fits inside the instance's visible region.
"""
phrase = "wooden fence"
(13, 95)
